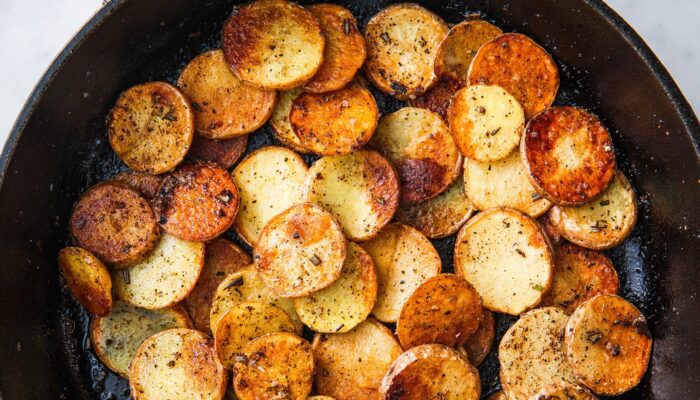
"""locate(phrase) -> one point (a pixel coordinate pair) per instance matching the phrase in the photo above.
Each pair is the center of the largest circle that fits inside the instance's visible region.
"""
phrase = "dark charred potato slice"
(87, 278)
(563, 390)
(280, 121)
(223, 153)
(458, 48)
(144, 183)
(438, 98)
(479, 344)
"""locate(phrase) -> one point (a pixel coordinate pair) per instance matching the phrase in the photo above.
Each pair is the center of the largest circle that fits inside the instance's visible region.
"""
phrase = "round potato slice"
(608, 344)
(402, 41)
(115, 223)
(420, 145)
(224, 106)
(520, 66)
(334, 123)
(431, 371)
(197, 202)
(151, 127)
(269, 181)
(280, 121)
(177, 364)
(404, 259)
(458, 48)
(165, 277)
(532, 354)
(360, 189)
(350, 366)
(344, 52)
(87, 278)
(273, 44)
(479, 344)
(117, 336)
(144, 183)
(438, 98)
(486, 122)
(444, 309)
(603, 223)
(506, 257)
(224, 153)
(275, 366)
(499, 395)
(565, 391)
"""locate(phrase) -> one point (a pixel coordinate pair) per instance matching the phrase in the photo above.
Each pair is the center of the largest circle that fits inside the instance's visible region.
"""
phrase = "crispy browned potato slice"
(280, 121)
(273, 44)
(420, 145)
(532, 354)
(404, 259)
(438, 98)
(151, 127)
(553, 233)
(221, 258)
(223, 153)
(300, 251)
(177, 364)
(519, 65)
(402, 41)
(275, 366)
(431, 371)
(444, 309)
(345, 51)
(144, 183)
(569, 155)
(458, 48)
(334, 123)
(608, 344)
(360, 189)
(499, 395)
(604, 222)
(115, 223)
(117, 336)
(87, 278)
(197, 202)
(165, 277)
(269, 181)
(563, 390)
(224, 106)
(350, 366)
(479, 344)
(505, 255)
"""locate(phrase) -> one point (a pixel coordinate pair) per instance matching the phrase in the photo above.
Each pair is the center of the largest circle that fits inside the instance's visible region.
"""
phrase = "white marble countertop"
(670, 27)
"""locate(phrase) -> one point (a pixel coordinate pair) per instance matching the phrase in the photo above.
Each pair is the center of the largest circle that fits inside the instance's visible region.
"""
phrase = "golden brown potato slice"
(608, 344)
(568, 154)
(117, 336)
(144, 183)
(420, 145)
(402, 41)
(360, 189)
(280, 121)
(479, 344)
(499, 395)
(115, 223)
(87, 278)
(269, 181)
(151, 127)
(604, 222)
(273, 44)
(177, 364)
(519, 65)
(505, 255)
(486, 122)
(553, 233)
(165, 277)
(275, 366)
(404, 259)
(532, 354)
(224, 106)
(563, 390)
(350, 366)
(431, 371)
(224, 153)
(458, 48)
(438, 98)
(345, 51)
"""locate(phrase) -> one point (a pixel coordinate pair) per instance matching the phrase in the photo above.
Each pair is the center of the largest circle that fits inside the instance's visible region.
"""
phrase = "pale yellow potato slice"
(459, 47)
(279, 121)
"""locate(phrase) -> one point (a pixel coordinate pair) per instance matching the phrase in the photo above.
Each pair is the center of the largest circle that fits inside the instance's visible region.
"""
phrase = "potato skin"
(224, 153)
(280, 121)
(144, 183)
(438, 98)
(479, 344)
(87, 278)
(459, 46)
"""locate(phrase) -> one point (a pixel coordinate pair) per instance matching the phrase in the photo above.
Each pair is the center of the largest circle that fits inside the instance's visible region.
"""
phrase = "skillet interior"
(605, 67)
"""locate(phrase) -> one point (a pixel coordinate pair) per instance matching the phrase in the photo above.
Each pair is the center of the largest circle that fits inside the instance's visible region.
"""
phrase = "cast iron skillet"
(58, 148)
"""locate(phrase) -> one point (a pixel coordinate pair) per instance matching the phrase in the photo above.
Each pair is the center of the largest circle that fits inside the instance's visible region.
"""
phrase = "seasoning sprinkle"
(379, 200)
(594, 336)
(315, 260)
(493, 132)
(538, 287)
(346, 26)
(235, 283)
(536, 196)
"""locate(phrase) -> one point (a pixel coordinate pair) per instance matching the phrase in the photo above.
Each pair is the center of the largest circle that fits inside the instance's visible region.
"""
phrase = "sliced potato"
(224, 153)
(144, 183)
(224, 106)
(273, 44)
(321, 398)
(350, 366)
(438, 98)
(177, 364)
(563, 390)
(404, 259)
(360, 189)
(568, 154)
(458, 48)
(280, 121)
(479, 344)
(420, 145)
(499, 395)
(151, 127)
(269, 181)
(603, 223)
(165, 277)
(117, 336)
(506, 257)
(402, 41)
(431, 371)
(553, 233)
(608, 344)
(87, 278)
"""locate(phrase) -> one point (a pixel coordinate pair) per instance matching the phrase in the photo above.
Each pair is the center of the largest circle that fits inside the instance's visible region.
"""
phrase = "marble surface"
(670, 27)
